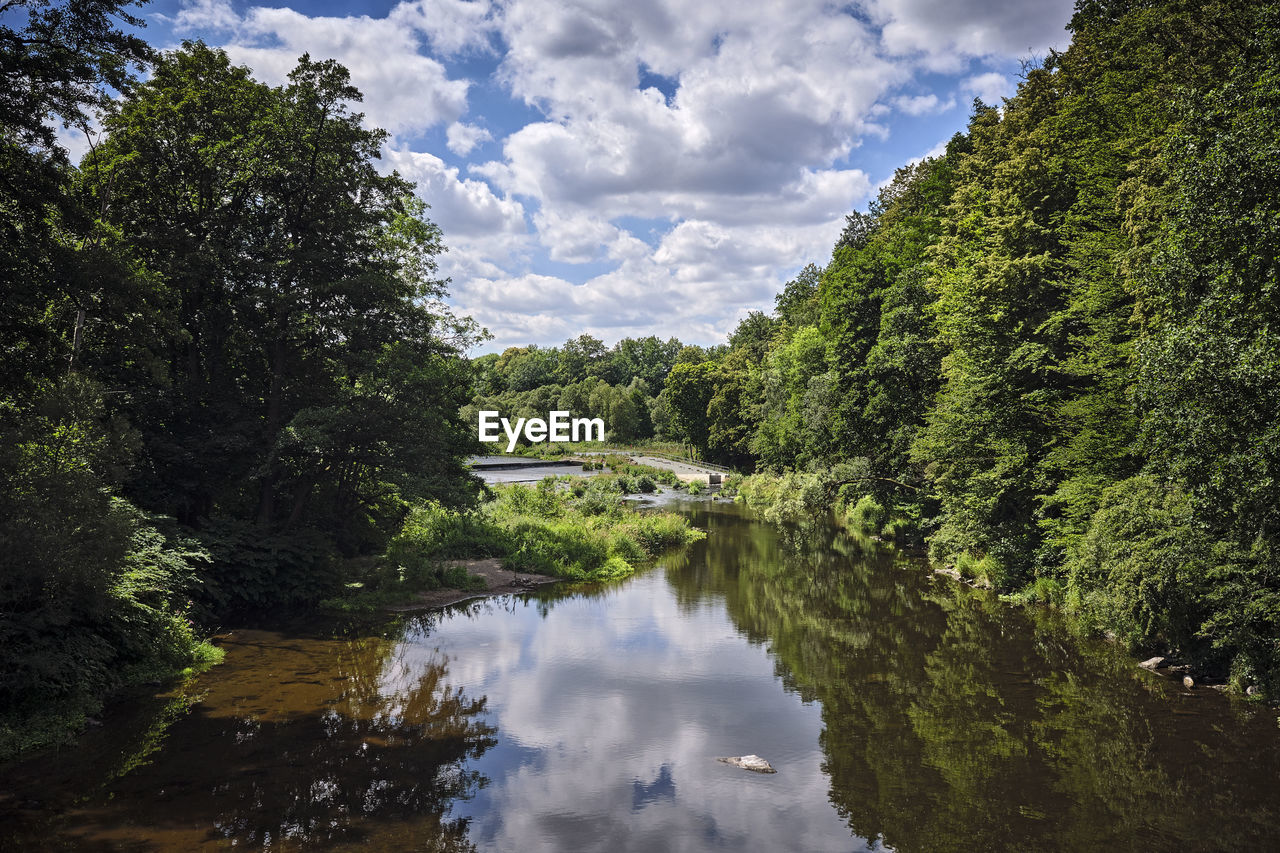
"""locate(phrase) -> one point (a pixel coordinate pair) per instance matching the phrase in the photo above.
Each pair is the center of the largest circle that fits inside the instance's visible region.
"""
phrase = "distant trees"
(621, 385)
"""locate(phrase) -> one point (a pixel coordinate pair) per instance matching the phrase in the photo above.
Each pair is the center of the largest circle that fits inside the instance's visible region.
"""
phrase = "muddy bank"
(498, 581)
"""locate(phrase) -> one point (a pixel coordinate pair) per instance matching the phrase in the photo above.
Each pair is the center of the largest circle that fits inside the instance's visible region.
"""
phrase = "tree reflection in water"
(955, 722)
(300, 742)
(945, 720)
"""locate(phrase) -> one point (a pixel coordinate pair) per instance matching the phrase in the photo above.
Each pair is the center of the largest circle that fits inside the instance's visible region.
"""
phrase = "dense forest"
(1051, 352)
(226, 359)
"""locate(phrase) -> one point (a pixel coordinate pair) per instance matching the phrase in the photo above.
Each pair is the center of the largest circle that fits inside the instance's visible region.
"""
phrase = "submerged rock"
(1151, 663)
(749, 762)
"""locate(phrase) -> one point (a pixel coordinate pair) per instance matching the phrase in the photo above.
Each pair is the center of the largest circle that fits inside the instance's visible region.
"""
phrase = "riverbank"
(497, 580)
(840, 493)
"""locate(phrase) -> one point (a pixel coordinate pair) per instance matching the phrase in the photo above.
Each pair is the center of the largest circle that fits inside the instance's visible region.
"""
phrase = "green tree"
(689, 389)
(306, 315)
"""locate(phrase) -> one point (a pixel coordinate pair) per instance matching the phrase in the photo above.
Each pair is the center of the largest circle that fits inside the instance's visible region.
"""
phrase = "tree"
(305, 303)
(690, 387)
(1208, 369)
(60, 67)
(580, 358)
(797, 304)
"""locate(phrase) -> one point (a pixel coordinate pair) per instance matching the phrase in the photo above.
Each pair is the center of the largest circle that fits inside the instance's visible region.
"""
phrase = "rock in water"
(1188, 682)
(750, 762)
(1151, 663)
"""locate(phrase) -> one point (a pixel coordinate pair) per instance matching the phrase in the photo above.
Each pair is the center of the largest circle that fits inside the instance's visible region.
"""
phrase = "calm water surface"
(900, 711)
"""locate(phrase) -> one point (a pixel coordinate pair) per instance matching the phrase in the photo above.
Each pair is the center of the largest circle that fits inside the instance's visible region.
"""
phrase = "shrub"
(601, 496)
(1140, 569)
(868, 515)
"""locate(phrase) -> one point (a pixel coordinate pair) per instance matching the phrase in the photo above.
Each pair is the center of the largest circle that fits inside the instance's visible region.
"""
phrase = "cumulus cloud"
(462, 206)
(990, 87)
(739, 124)
(463, 138)
(452, 26)
(405, 91)
(946, 32)
(206, 15)
(918, 105)
(763, 95)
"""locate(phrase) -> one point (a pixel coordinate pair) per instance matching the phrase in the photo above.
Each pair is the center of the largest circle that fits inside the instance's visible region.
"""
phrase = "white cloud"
(404, 90)
(462, 138)
(453, 26)
(918, 105)
(949, 31)
(699, 281)
(206, 15)
(464, 207)
(990, 87)
(573, 238)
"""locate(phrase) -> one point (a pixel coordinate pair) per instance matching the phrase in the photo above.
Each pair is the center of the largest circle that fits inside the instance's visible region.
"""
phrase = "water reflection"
(952, 722)
(296, 742)
(901, 712)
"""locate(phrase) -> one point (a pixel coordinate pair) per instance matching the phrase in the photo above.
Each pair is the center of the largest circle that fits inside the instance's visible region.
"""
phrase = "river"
(901, 711)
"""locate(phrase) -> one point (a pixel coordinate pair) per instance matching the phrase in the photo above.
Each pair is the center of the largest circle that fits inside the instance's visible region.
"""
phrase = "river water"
(901, 711)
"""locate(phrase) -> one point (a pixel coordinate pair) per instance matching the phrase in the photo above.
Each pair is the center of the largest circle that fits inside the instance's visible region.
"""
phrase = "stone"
(1252, 690)
(753, 763)
(1151, 663)
(1188, 682)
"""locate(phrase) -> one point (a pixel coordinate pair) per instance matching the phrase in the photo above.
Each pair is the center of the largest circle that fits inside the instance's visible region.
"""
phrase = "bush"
(696, 487)
(600, 497)
(1140, 569)
(985, 570)
(252, 570)
(95, 595)
(868, 515)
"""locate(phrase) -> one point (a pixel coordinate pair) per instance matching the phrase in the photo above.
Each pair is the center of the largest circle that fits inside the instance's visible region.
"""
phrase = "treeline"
(623, 385)
(1056, 346)
(226, 363)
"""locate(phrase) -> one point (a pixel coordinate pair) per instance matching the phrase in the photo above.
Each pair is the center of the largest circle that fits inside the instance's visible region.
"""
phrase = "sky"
(643, 167)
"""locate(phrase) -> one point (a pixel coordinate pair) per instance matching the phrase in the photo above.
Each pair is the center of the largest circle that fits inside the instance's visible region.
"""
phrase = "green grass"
(582, 532)
(566, 527)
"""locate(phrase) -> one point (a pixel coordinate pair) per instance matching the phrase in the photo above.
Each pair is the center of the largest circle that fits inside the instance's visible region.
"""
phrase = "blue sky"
(643, 167)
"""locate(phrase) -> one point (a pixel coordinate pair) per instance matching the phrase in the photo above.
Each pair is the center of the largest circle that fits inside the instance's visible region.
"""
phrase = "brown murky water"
(900, 711)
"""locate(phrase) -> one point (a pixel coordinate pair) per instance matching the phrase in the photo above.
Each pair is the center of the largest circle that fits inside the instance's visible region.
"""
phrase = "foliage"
(1040, 346)
(94, 593)
(1142, 568)
(262, 304)
(306, 380)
